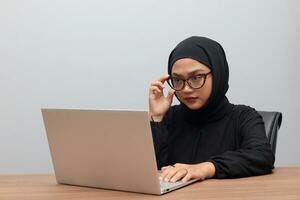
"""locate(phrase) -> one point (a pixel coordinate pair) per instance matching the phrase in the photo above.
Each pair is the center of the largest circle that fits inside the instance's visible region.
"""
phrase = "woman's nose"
(187, 88)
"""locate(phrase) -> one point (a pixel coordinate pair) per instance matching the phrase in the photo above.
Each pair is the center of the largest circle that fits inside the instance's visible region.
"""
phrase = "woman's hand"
(187, 172)
(158, 103)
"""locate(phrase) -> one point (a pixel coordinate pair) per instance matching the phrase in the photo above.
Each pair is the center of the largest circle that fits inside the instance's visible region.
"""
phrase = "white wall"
(104, 54)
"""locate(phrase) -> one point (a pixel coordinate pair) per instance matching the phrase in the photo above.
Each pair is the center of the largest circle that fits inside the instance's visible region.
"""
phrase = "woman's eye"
(196, 78)
(176, 80)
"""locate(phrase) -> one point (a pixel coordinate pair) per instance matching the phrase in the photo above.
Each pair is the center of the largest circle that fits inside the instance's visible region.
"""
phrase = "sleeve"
(254, 157)
(160, 135)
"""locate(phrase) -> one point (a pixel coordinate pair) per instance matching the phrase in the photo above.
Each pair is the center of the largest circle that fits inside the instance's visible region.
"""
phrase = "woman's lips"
(190, 99)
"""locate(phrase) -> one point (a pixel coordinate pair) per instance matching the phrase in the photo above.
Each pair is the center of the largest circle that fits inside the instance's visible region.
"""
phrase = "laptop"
(109, 149)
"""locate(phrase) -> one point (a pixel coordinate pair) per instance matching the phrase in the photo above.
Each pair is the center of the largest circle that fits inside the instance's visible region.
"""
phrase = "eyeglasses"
(195, 82)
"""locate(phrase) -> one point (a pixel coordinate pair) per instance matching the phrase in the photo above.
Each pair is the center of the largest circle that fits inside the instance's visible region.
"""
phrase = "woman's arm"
(254, 157)
(162, 137)
(159, 105)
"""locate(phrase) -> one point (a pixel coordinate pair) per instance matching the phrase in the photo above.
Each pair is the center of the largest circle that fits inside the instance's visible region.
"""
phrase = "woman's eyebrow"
(190, 73)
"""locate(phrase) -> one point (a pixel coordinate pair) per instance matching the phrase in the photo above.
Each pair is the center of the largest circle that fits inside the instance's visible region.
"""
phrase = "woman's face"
(186, 68)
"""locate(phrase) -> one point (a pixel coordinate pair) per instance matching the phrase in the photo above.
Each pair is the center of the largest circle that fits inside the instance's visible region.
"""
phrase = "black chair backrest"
(272, 124)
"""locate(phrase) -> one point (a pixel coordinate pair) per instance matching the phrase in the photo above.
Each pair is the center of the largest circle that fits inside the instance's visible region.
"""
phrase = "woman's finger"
(165, 170)
(170, 173)
(170, 95)
(187, 177)
(164, 78)
(179, 175)
(158, 84)
(154, 90)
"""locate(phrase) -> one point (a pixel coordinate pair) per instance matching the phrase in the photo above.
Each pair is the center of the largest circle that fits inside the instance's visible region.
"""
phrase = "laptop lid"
(102, 148)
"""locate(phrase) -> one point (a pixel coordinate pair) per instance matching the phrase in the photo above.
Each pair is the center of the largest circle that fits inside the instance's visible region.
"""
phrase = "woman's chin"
(194, 106)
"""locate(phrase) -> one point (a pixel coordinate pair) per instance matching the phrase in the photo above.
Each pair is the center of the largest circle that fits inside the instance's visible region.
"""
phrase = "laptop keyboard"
(166, 185)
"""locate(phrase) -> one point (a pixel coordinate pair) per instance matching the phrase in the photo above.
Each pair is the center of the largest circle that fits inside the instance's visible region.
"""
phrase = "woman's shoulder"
(244, 112)
(242, 108)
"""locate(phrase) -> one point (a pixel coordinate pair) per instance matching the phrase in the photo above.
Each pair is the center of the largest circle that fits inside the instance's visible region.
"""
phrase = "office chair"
(272, 124)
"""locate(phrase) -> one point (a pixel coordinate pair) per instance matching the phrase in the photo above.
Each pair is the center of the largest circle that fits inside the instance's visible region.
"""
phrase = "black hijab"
(211, 54)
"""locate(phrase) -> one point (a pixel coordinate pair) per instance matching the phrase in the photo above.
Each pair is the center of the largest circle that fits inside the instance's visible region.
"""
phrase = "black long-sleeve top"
(236, 144)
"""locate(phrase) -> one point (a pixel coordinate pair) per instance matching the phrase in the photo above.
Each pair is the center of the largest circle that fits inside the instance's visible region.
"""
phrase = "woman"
(205, 136)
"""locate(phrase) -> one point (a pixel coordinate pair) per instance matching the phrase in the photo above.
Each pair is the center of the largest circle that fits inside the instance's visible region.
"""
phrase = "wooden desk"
(284, 183)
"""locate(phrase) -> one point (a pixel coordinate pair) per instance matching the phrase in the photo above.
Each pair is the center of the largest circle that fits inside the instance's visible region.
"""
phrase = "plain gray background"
(104, 54)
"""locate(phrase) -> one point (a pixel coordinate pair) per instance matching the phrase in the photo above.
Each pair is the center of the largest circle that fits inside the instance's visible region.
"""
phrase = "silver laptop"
(110, 149)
